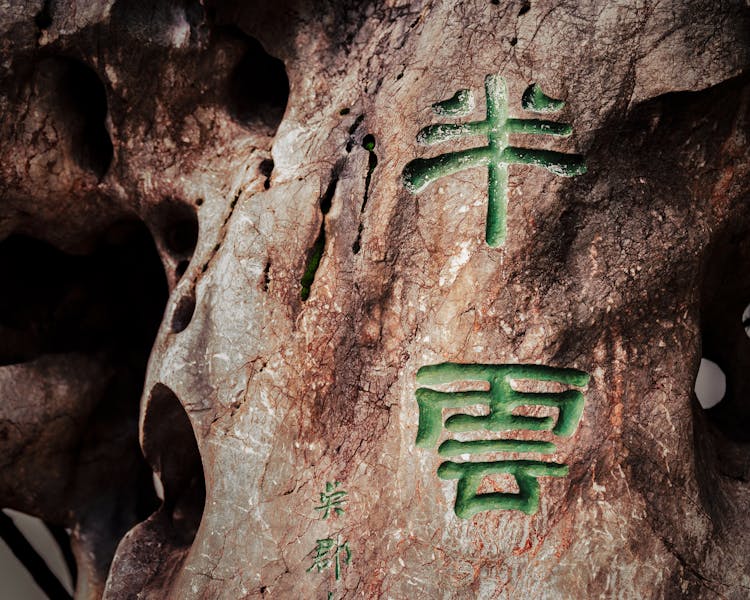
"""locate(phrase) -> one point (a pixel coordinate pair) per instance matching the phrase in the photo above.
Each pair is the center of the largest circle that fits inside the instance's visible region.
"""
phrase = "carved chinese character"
(502, 399)
(498, 153)
(331, 500)
(330, 552)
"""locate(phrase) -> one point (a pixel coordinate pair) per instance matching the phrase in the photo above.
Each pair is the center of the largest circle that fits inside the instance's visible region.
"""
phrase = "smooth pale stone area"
(710, 384)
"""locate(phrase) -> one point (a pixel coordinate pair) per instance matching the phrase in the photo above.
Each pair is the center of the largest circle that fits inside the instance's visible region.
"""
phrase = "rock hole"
(746, 320)
(171, 448)
(368, 143)
(53, 302)
(183, 311)
(513, 41)
(357, 122)
(314, 257)
(352, 130)
(267, 276)
(109, 304)
(710, 384)
(315, 253)
(725, 286)
(344, 111)
(266, 169)
(525, 7)
(81, 105)
(199, 202)
(258, 87)
(43, 19)
(182, 236)
(178, 226)
(327, 198)
(181, 268)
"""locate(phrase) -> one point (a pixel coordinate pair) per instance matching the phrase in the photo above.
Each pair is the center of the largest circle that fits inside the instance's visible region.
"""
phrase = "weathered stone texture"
(622, 272)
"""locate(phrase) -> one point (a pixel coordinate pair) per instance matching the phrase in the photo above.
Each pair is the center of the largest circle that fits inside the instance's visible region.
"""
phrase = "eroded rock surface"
(263, 145)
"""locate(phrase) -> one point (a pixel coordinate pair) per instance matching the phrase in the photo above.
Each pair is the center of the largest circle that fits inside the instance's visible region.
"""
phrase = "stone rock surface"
(253, 139)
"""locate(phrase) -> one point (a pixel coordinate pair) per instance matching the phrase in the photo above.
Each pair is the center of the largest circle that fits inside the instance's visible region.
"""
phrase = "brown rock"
(264, 146)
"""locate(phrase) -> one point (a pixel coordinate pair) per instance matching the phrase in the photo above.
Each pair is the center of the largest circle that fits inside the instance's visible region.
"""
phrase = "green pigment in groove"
(315, 254)
(470, 475)
(498, 153)
(535, 100)
(502, 400)
(455, 448)
(458, 105)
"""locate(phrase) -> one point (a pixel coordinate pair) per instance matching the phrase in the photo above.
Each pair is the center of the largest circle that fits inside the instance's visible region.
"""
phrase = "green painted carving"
(330, 552)
(458, 105)
(534, 99)
(455, 448)
(497, 154)
(470, 475)
(331, 500)
(502, 400)
(313, 262)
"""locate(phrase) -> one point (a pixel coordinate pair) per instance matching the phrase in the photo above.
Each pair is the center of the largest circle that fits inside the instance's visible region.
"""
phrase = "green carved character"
(331, 500)
(330, 552)
(498, 153)
(502, 400)
(470, 475)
